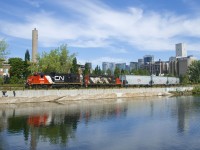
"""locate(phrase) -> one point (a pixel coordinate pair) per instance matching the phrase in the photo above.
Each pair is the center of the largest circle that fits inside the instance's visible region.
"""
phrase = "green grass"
(196, 90)
(11, 87)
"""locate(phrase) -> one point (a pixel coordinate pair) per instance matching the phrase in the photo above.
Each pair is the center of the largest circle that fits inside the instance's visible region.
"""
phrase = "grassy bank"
(195, 91)
(11, 87)
(182, 93)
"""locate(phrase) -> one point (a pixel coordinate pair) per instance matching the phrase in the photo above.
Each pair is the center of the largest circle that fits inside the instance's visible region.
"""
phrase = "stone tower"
(34, 45)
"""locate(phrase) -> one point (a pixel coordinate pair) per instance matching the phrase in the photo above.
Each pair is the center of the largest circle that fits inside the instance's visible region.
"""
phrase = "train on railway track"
(54, 80)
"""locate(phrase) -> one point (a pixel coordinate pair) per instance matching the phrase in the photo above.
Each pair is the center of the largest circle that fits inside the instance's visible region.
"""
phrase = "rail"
(22, 87)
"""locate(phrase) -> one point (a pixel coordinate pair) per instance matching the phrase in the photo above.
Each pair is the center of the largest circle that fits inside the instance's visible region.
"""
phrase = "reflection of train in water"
(72, 115)
(76, 80)
(39, 120)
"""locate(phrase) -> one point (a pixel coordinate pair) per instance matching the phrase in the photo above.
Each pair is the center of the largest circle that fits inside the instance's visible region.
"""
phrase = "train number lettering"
(59, 78)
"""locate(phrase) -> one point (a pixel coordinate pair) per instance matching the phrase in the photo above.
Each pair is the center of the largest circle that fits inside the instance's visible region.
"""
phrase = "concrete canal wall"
(87, 94)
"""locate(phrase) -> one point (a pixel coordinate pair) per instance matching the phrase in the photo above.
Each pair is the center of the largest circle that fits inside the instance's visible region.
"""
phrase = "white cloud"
(34, 3)
(92, 43)
(117, 50)
(94, 24)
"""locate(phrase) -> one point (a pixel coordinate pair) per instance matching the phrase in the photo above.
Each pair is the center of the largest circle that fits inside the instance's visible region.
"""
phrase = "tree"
(6, 79)
(87, 69)
(26, 71)
(27, 56)
(140, 72)
(194, 72)
(16, 70)
(17, 66)
(65, 59)
(125, 72)
(117, 72)
(58, 60)
(74, 68)
(108, 72)
(97, 70)
(3, 51)
(184, 79)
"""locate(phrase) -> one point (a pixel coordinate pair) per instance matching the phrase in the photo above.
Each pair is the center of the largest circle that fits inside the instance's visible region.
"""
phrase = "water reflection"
(143, 123)
(185, 109)
(182, 107)
(53, 122)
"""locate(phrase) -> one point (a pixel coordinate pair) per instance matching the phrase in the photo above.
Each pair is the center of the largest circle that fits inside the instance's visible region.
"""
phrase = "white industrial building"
(181, 50)
(178, 65)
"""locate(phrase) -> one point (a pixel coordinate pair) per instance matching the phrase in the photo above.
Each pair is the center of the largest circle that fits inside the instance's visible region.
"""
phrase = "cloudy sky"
(102, 30)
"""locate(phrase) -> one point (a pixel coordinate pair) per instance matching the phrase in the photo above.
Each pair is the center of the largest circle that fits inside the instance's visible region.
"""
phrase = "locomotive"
(76, 80)
(53, 80)
(70, 80)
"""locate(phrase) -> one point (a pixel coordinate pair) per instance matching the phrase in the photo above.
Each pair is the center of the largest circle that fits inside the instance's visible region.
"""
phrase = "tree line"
(59, 60)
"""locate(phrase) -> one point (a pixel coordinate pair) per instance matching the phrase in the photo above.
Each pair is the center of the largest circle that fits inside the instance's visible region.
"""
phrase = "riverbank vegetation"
(196, 90)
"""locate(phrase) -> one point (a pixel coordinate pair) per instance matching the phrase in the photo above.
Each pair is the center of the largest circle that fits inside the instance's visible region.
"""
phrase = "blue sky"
(102, 30)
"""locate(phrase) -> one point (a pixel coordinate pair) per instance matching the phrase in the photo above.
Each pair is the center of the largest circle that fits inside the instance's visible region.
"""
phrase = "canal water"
(165, 123)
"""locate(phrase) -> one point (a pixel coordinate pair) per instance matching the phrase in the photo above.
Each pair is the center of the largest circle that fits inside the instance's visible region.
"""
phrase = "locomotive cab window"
(41, 75)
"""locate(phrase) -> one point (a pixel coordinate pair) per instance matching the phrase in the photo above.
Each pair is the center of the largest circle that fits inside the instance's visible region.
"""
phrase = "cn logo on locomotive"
(59, 78)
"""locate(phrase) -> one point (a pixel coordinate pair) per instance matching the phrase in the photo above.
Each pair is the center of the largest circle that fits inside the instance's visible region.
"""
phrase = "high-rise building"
(108, 65)
(140, 63)
(121, 66)
(127, 68)
(34, 45)
(148, 59)
(181, 50)
(133, 66)
(89, 65)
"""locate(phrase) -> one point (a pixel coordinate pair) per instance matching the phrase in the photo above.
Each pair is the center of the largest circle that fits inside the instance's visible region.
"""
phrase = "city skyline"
(101, 31)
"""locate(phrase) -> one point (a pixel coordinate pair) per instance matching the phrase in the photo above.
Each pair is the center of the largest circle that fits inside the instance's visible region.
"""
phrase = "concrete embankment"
(85, 94)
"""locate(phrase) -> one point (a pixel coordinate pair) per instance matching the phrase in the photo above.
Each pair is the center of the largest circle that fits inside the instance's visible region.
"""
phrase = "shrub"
(196, 90)
(15, 80)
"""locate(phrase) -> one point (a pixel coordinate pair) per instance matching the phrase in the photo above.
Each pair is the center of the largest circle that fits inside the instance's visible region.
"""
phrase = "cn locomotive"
(70, 80)
(52, 80)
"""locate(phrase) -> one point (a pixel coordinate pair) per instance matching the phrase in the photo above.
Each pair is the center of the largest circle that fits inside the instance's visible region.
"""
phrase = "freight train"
(52, 80)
